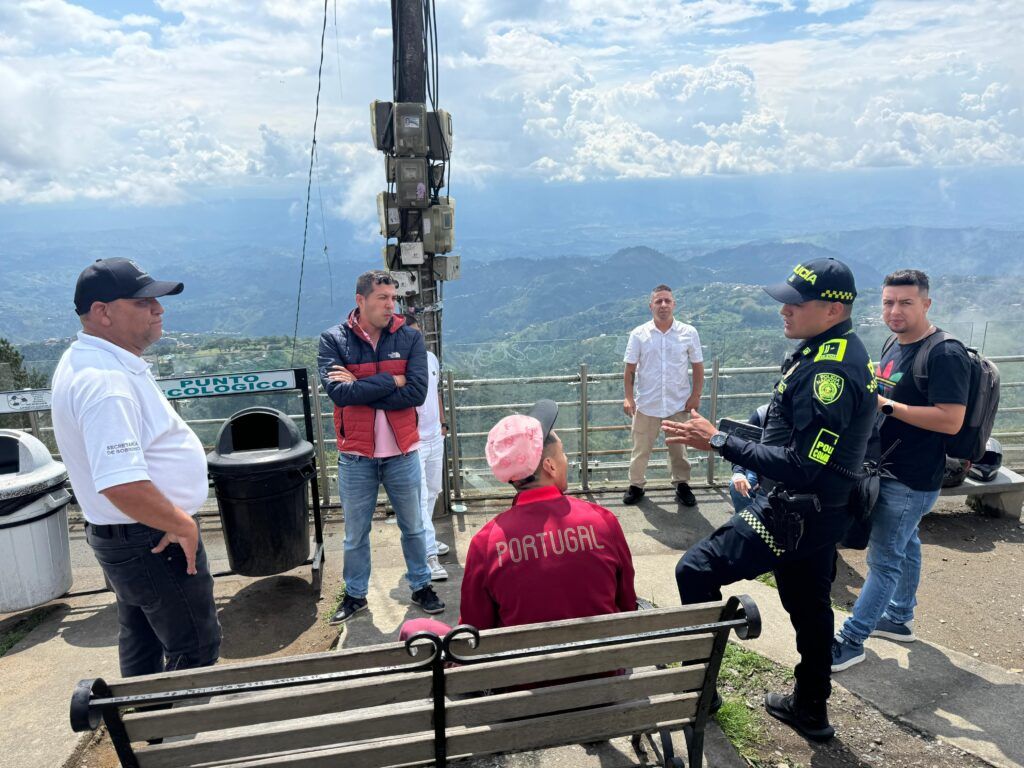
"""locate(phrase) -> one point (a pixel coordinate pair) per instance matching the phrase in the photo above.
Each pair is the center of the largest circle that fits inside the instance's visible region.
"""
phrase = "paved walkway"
(973, 705)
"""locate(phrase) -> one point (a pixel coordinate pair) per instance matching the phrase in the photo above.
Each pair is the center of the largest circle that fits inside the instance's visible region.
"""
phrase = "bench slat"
(383, 655)
(525, 671)
(590, 628)
(584, 693)
(287, 704)
(415, 717)
(535, 733)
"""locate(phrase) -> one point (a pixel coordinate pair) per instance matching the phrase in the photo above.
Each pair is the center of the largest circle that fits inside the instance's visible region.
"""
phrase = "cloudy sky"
(137, 103)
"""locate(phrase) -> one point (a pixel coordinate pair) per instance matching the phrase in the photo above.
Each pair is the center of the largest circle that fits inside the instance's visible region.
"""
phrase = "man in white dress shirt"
(138, 471)
(658, 357)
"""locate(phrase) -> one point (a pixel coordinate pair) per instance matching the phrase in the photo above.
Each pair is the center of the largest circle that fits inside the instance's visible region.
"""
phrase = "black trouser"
(804, 577)
(167, 618)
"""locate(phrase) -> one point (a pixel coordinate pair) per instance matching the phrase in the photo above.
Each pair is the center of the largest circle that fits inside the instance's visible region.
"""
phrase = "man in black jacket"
(816, 432)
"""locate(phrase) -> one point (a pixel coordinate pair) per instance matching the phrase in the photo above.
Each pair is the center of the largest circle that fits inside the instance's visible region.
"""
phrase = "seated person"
(549, 556)
(745, 481)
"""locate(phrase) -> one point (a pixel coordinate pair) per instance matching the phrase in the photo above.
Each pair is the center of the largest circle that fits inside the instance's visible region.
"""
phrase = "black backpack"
(982, 398)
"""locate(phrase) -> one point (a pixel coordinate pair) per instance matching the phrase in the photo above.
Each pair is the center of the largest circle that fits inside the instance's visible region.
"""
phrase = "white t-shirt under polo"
(113, 426)
(662, 382)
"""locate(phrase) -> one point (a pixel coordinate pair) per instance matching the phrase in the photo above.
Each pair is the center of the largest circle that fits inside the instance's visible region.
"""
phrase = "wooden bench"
(1002, 495)
(432, 699)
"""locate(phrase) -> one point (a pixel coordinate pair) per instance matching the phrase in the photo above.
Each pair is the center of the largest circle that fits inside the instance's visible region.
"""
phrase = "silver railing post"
(453, 433)
(584, 430)
(33, 424)
(321, 454)
(713, 410)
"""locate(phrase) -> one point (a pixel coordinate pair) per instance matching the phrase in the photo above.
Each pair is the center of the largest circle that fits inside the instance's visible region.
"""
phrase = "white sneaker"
(437, 571)
(442, 549)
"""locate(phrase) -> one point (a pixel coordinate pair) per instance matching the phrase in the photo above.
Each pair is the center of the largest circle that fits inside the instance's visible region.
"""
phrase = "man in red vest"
(374, 368)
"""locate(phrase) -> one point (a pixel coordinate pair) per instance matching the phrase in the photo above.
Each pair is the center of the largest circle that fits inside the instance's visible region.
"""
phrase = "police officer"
(813, 446)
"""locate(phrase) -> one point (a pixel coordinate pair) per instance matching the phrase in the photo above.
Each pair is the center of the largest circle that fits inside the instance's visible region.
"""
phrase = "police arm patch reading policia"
(823, 447)
(828, 387)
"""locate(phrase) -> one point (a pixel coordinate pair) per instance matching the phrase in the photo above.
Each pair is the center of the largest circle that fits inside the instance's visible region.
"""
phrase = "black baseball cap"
(118, 278)
(546, 412)
(818, 280)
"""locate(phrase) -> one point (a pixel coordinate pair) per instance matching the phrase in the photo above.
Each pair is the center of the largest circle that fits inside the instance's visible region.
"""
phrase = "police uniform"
(816, 432)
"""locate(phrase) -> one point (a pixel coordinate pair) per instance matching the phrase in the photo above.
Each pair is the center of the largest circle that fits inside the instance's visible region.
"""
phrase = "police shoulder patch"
(824, 446)
(828, 387)
(833, 349)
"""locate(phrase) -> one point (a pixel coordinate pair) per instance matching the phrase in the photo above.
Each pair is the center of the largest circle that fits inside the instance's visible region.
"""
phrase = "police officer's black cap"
(818, 280)
(118, 278)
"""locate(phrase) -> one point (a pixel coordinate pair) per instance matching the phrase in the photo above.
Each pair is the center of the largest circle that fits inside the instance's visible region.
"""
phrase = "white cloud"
(196, 95)
(819, 7)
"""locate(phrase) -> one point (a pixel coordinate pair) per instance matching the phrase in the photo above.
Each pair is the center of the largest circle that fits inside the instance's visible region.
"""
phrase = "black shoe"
(813, 725)
(349, 607)
(633, 495)
(428, 600)
(685, 496)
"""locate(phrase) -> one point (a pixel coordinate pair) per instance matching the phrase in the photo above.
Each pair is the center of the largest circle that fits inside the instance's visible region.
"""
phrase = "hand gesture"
(694, 433)
(341, 374)
(189, 543)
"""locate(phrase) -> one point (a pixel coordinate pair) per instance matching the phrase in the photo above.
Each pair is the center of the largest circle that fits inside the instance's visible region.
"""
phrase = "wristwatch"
(887, 408)
(717, 441)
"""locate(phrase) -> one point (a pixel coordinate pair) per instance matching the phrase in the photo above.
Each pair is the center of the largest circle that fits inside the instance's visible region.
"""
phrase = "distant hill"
(938, 251)
(762, 263)
(246, 289)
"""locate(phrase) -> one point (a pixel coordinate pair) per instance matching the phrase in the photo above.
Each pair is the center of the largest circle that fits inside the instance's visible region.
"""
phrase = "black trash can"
(261, 468)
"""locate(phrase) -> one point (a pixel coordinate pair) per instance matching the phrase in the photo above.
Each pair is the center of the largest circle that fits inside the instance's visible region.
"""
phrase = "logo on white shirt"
(128, 446)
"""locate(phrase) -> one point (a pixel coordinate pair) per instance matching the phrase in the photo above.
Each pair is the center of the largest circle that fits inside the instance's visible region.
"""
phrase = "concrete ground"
(954, 697)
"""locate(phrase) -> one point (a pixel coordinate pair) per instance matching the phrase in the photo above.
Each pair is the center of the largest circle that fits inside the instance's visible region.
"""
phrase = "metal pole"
(410, 58)
(453, 433)
(33, 424)
(318, 426)
(714, 415)
(984, 337)
(584, 428)
(410, 79)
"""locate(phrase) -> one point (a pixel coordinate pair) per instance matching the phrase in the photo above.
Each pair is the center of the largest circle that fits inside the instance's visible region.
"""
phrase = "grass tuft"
(740, 727)
(21, 627)
(335, 604)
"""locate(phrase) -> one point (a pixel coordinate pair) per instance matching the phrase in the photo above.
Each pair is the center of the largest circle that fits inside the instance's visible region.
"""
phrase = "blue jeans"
(894, 560)
(167, 619)
(739, 501)
(359, 480)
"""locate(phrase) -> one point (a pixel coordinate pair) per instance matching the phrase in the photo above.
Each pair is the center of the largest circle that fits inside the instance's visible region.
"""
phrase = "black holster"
(788, 512)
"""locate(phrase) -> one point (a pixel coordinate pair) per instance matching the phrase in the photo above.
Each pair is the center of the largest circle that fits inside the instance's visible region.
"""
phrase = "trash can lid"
(257, 428)
(258, 438)
(242, 462)
(26, 465)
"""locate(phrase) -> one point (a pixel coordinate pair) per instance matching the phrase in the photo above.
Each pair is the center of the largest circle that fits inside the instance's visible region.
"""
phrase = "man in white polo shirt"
(138, 471)
(659, 354)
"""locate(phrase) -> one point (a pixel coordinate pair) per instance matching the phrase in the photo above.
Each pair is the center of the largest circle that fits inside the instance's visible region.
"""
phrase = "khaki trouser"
(645, 433)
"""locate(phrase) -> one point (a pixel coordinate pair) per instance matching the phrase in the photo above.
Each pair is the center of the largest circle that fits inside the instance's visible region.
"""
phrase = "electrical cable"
(309, 186)
(323, 228)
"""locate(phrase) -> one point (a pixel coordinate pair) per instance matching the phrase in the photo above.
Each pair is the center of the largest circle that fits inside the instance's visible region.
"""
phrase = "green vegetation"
(743, 672)
(334, 605)
(20, 628)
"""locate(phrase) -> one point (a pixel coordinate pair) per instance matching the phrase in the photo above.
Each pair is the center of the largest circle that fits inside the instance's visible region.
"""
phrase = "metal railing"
(595, 446)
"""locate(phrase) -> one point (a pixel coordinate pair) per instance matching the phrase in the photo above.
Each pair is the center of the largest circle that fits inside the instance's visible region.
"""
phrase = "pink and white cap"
(516, 443)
